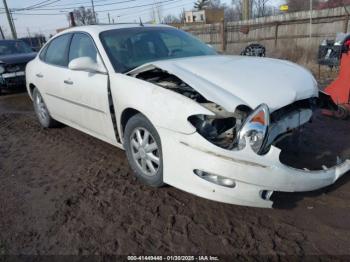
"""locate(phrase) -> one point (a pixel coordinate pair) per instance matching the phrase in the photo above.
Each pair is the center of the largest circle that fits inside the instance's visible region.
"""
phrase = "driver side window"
(82, 46)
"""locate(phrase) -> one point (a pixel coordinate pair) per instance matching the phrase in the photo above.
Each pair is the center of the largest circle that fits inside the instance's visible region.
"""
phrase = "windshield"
(14, 47)
(132, 47)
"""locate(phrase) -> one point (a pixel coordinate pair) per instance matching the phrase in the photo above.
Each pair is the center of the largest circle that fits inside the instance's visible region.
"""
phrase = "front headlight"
(255, 129)
(2, 69)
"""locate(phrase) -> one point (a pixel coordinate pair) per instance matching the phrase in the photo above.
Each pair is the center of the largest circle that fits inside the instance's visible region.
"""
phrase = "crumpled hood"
(234, 80)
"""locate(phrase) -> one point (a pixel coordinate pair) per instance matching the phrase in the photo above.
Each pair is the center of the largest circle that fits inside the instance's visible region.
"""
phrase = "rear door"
(86, 93)
(50, 73)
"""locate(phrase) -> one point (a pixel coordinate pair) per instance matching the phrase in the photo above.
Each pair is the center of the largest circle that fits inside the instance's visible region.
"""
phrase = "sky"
(55, 15)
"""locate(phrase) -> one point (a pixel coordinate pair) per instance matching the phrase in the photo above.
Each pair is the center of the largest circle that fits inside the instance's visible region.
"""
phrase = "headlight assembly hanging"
(255, 129)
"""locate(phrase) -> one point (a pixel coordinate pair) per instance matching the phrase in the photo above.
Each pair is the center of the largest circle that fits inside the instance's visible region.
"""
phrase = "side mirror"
(86, 64)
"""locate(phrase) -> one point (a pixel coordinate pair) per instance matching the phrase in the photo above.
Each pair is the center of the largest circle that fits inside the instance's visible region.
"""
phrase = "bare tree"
(156, 13)
(237, 8)
(201, 4)
(171, 19)
(182, 16)
(333, 4)
(261, 7)
(301, 5)
(216, 4)
(83, 16)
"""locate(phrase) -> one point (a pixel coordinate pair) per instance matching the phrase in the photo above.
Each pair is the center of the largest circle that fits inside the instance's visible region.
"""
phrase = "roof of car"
(96, 29)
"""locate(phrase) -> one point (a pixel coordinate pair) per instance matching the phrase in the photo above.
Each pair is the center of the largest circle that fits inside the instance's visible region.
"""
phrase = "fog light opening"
(216, 179)
(266, 194)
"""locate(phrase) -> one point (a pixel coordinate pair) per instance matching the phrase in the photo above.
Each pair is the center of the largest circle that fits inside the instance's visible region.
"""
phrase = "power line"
(33, 7)
(77, 6)
(137, 6)
(101, 11)
(38, 4)
(148, 9)
(80, 3)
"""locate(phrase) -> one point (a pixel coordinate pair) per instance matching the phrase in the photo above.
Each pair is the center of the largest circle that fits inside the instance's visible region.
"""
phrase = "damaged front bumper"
(255, 176)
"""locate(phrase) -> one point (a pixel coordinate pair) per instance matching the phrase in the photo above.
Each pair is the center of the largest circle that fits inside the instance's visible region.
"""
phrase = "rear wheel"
(144, 150)
(41, 111)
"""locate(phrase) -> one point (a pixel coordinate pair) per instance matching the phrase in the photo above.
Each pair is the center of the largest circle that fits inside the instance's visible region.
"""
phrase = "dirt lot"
(63, 192)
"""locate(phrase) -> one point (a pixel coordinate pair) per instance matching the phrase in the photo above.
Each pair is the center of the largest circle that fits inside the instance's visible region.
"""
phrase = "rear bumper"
(253, 174)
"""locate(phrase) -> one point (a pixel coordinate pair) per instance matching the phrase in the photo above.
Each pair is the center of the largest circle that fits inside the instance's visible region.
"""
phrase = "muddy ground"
(64, 192)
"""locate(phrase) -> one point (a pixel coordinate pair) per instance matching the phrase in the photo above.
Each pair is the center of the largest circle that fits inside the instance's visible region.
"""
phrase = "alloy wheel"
(41, 107)
(145, 151)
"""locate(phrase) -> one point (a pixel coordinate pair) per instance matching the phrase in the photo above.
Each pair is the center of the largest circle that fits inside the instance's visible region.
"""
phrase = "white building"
(206, 16)
(195, 16)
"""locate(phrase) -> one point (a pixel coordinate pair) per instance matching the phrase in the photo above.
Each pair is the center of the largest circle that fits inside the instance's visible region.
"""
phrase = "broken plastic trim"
(266, 194)
(326, 102)
(219, 130)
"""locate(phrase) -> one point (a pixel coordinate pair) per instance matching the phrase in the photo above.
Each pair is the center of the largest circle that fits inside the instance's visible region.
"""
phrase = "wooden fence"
(285, 36)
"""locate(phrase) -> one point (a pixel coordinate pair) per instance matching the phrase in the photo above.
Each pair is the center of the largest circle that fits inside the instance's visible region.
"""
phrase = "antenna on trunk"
(141, 24)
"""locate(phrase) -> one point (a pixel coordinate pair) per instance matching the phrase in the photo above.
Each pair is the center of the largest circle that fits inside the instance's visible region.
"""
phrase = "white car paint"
(226, 80)
(235, 80)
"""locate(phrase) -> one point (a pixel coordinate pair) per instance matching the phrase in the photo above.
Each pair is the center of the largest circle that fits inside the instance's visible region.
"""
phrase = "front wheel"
(144, 150)
(41, 111)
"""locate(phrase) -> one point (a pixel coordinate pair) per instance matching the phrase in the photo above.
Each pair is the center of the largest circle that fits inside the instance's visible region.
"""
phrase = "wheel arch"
(125, 117)
(31, 88)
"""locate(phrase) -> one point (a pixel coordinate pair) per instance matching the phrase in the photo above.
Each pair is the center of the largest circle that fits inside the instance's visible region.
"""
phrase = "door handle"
(39, 75)
(68, 82)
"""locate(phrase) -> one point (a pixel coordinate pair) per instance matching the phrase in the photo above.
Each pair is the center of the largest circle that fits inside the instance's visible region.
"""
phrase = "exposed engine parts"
(223, 128)
(169, 81)
(220, 129)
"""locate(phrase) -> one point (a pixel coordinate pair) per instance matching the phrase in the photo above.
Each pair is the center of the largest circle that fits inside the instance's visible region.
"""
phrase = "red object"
(339, 90)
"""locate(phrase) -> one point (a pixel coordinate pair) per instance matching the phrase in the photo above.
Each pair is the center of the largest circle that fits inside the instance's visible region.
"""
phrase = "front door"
(87, 92)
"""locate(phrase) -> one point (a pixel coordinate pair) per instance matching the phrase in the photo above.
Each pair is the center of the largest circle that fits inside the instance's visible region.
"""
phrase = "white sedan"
(186, 116)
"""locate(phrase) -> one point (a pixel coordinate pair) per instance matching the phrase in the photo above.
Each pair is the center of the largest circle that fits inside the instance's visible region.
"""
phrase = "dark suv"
(14, 56)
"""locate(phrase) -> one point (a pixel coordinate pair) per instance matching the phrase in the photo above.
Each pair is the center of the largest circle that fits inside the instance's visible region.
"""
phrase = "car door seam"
(75, 103)
(112, 110)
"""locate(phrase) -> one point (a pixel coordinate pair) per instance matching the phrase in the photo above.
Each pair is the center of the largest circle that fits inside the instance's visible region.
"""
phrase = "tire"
(41, 111)
(342, 112)
(144, 152)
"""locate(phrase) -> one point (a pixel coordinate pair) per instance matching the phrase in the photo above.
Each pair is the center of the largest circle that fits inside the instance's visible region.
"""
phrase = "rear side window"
(57, 52)
(43, 53)
(82, 46)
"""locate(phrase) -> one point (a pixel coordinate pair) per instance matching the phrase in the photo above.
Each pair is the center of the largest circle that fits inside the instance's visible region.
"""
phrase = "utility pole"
(30, 38)
(2, 33)
(72, 20)
(13, 23)
(93, 10)
(28, 31)
(311, 8)
(9, 19)
(109, 18)
(246, 10)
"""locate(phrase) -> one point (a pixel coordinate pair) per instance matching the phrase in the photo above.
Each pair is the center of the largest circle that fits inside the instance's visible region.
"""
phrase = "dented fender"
(154, 102)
